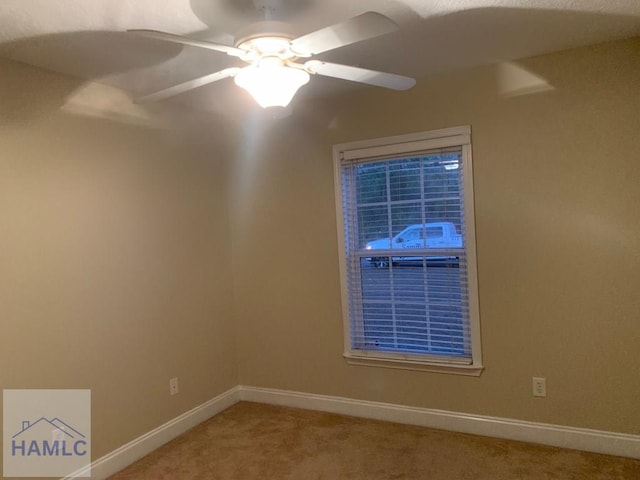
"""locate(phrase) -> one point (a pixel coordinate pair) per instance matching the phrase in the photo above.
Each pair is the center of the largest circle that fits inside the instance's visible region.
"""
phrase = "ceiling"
(88, 39)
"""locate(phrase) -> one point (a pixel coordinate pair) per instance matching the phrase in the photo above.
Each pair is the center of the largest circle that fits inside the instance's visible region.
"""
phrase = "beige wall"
(114, 256)
(556, 187)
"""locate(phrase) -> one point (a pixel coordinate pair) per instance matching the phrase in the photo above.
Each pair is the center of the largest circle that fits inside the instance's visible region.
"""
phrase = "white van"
(436, 235)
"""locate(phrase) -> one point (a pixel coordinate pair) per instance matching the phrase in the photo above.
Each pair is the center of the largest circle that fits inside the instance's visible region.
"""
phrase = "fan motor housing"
(263, 29)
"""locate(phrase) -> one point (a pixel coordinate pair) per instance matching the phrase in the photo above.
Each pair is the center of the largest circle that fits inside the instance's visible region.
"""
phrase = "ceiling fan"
(273, 74)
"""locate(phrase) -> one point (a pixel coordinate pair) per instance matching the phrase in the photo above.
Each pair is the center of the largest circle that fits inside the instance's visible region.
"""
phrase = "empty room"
(320, 239)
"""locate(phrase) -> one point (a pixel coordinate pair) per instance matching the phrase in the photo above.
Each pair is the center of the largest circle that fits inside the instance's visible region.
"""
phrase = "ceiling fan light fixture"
(271, 82)
(273, 77)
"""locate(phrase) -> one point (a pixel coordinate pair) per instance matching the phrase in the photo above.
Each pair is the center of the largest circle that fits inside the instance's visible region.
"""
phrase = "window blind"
(406, 259)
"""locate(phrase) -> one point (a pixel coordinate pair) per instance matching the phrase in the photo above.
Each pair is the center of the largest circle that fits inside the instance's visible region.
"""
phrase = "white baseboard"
(596, 441)
(134, 450)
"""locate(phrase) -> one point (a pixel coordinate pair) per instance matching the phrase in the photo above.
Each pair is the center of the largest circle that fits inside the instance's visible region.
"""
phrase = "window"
(434, 232)
(408, 267)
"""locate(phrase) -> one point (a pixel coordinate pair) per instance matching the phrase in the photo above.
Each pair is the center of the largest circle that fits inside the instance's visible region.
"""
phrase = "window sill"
(435, 367)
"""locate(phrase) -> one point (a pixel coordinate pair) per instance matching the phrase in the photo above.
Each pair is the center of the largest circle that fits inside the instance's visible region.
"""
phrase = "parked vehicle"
(437, 235)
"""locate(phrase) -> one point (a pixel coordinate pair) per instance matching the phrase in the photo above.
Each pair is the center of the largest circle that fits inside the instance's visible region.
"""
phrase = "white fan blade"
(356, 29)
(169, 37)
(362, 75)
(189, 85)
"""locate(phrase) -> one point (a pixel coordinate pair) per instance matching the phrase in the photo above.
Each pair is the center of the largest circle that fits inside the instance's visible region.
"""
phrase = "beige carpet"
(254, 441)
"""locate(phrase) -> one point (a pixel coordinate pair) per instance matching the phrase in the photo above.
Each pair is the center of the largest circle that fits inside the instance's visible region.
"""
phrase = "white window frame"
(401, 145)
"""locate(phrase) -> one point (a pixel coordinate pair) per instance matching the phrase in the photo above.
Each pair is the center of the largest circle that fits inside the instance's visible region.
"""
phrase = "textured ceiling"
(87, 39)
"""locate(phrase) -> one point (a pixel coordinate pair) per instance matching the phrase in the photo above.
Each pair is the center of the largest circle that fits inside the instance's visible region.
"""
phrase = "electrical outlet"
(173, 385)
(539, 387)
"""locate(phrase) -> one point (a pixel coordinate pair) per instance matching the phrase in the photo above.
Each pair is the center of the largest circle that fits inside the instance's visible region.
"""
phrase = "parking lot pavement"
(413, 308)
(412, 282)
